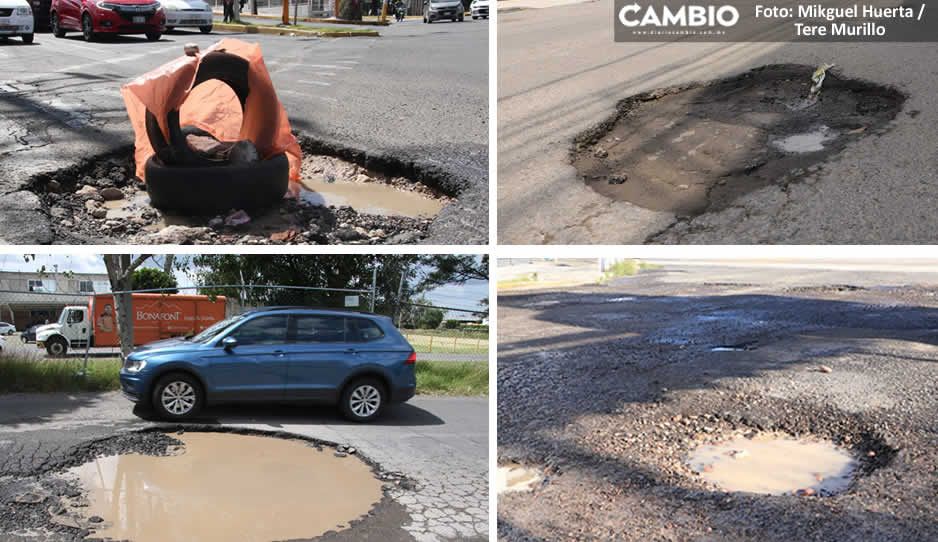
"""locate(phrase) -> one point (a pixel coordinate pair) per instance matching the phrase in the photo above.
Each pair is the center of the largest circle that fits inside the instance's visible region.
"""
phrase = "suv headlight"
(134, 366)
(24, 10)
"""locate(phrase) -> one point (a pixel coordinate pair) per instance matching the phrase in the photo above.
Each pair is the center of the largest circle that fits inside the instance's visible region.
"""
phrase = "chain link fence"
(438, 333)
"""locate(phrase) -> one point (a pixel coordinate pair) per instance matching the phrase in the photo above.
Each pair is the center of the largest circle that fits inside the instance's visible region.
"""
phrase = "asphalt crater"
(344, 197)
(697, 148)
(222, 486)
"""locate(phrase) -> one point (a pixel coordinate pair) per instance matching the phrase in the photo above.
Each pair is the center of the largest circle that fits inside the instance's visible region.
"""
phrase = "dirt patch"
(94, 489)
(697, 148)
(341, 202)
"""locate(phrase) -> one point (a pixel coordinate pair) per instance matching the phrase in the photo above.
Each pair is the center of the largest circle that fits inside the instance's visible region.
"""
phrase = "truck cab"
(73, 330)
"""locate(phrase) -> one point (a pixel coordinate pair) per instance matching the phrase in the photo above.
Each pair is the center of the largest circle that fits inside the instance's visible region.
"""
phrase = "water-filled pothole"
(341, 200)
(696, 148)
(513, 477)
(775, 464)
(223, 486)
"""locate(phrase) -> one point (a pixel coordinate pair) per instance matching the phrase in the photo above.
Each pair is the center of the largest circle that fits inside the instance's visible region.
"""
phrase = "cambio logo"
(682, 16)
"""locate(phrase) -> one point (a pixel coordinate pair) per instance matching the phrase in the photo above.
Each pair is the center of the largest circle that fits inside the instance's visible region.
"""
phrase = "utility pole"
(397, 304)
(285, 19)
(374, 286)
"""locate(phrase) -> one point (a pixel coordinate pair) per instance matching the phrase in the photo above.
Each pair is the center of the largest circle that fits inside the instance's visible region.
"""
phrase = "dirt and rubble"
(696, 148)
(339, 202)
(608, 391)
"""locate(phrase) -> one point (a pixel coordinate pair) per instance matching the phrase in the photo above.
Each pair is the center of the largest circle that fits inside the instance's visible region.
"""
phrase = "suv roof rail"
(308, 308)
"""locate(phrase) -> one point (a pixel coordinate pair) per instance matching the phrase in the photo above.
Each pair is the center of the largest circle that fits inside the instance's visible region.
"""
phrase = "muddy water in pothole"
(697, 148)
(224, 487)
(775, 464)
(514, 477)
(370, 198)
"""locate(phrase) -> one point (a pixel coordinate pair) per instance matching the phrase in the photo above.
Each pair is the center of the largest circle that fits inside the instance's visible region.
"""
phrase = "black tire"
(181, 383)
(57, 29)
(170, 28)
(87, 29)
(461, 17)
(348, 402)
(212, 190)
(205, 29)
(27, 38)
(154, 36)
(56, 347)
(474, 17)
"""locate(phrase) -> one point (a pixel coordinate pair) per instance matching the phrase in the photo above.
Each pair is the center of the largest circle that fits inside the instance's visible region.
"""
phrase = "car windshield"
(213, 330)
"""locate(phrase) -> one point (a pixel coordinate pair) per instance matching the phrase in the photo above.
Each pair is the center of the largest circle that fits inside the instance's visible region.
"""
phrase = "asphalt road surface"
(419, 94)
(440, 443)
(607, 389)
(560, 73)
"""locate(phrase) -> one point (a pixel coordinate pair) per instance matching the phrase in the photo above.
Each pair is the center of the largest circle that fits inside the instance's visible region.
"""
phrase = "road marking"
(326, 66)
(347, 61)
(305, 95)
(320, 83)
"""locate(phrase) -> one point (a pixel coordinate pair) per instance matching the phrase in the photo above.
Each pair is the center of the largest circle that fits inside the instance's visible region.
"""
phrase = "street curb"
(275, 31)
(314, 19)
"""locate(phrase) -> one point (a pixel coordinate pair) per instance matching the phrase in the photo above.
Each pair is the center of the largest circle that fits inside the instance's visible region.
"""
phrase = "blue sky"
(465, 295)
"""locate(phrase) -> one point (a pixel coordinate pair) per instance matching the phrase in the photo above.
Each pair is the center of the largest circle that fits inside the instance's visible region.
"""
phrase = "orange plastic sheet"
(213, 107)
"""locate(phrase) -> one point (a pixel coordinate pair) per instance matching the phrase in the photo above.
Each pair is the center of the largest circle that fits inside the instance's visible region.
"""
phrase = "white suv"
(7, 329)
(479, 8)
(16, 19)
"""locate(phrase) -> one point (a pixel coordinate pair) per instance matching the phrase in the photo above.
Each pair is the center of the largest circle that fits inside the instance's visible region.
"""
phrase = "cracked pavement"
(417, 94)
(560, 73)
(607, 389)
(441, 443)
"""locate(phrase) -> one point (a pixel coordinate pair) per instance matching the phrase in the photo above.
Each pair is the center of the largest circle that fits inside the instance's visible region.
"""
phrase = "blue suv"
(359, 361)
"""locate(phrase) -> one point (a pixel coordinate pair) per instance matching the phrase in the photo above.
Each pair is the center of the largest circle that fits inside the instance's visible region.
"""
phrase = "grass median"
(20, 375)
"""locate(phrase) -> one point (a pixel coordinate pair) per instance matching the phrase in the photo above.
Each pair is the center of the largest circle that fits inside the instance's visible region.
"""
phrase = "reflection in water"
(225, 487)
(514, 477)
(370, 198)
(775, 464)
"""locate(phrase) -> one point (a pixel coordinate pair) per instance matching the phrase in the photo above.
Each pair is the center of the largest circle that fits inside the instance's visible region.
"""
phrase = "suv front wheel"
(363, 400)
(177, 396)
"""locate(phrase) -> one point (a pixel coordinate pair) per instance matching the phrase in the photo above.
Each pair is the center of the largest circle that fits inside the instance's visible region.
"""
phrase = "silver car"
(7, 329)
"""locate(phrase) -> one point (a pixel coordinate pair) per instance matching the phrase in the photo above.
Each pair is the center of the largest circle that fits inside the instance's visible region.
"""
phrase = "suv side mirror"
(229, 343)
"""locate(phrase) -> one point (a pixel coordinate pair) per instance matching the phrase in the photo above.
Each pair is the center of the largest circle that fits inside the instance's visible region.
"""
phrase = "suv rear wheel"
(363, 400)
(177, 396)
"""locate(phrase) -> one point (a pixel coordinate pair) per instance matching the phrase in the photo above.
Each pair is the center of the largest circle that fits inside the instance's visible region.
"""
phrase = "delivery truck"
(155, 317)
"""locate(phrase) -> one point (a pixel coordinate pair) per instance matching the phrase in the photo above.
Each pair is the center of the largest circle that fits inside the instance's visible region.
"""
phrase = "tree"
(454, 269)
(120, 272)
(350, 10)
(149, 278)
(430, 318)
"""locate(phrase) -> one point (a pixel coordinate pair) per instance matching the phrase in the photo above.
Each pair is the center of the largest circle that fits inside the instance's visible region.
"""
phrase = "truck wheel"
(177, 396)
(363, 400)
(56, 347)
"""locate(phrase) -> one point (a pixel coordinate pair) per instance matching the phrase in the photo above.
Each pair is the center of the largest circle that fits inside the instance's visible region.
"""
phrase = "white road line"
(305, 95)
(320, 83)
(347, 61)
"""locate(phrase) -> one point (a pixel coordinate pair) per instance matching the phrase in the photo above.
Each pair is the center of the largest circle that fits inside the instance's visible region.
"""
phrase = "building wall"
(23, 307)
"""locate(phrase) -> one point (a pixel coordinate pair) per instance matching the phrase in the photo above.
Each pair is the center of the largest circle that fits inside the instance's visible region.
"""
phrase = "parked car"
(436, 10)
(358, 361)
(29, 335)
(479, 9)
(7, 328)
(16, 19)
(94, 18)
(187, 14)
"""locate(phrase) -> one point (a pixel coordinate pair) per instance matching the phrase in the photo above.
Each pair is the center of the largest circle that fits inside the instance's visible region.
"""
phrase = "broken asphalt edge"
(314, 19)
(279, 31)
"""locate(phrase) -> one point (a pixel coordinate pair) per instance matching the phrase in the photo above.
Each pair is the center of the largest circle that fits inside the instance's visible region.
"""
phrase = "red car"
(94, 18)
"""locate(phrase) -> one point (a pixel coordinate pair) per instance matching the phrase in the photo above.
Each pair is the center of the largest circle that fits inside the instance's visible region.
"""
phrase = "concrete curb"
(314, 19)
(277, 31)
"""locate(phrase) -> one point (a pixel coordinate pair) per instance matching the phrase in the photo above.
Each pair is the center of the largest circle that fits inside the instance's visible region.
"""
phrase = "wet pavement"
(438, 444)
(610, 400)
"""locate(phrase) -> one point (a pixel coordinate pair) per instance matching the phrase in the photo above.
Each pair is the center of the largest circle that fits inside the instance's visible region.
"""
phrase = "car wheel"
(363, 400)
(170, 28)
(27, 38)
(474, 17)
(205, 29)
(56, 347)
(154, 36)
(177, 396)
(87, 28)
(461, 17)
(57, 29)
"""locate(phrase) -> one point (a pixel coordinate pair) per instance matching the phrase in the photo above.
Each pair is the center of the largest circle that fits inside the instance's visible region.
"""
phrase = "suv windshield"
(213, 330)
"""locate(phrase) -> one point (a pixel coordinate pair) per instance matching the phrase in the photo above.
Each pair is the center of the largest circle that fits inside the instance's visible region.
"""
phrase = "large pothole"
(696, 148)
(207, 484)
(341, 201)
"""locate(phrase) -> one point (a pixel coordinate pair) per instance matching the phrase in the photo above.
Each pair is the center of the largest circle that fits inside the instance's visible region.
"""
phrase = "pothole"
(698, 147)
(775, 464)
(264, 489)
(341, 201)
(514, 477)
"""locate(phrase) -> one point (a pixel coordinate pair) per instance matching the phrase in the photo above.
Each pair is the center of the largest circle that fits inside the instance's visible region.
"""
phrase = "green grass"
(452, 378)
(50, 375)
(627, 268)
